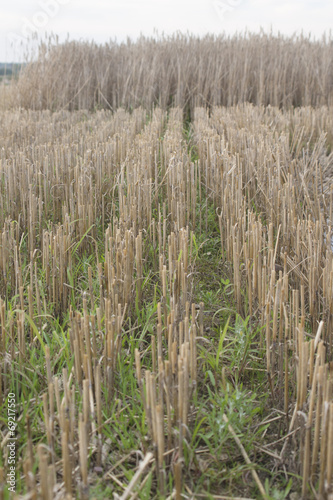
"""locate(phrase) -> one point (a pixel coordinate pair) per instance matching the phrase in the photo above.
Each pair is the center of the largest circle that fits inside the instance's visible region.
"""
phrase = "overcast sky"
(102, 20)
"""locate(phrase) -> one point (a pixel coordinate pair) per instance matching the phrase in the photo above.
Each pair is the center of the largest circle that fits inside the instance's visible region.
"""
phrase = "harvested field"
(166, 298)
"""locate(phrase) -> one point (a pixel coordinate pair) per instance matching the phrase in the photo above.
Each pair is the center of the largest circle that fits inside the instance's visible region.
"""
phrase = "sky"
(102, 20)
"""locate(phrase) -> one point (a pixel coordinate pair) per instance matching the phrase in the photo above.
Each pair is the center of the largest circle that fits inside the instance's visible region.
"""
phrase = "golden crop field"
(166, 285)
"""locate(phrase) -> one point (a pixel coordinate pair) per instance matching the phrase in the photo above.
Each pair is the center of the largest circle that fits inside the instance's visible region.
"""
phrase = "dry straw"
(180, 70)
(101, 191)
(285, 273)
